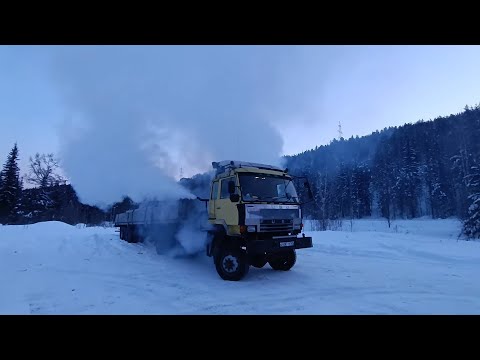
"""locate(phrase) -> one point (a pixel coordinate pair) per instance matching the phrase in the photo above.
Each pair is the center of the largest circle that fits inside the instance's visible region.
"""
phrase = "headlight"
(251, 228)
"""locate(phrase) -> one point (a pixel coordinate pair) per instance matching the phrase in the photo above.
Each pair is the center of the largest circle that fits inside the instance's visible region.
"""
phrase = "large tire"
(258, 261)
(231, 263)
(283, 261)
(131, 235)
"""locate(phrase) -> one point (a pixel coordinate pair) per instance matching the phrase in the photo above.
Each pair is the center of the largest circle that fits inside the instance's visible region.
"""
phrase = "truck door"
(225, 209)
(213, 200)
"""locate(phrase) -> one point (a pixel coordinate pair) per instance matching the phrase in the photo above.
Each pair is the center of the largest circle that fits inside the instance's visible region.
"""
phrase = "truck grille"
(285, 225)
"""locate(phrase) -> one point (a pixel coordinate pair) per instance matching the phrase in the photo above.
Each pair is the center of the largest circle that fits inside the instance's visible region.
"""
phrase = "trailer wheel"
(130, 235)
(231, 263)
(283, 261)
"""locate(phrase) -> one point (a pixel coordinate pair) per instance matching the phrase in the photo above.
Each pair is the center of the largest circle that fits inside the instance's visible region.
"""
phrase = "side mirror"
(234, 197)
(231, 187)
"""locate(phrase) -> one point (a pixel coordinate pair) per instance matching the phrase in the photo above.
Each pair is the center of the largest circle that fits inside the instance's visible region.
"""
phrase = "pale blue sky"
(302, 91)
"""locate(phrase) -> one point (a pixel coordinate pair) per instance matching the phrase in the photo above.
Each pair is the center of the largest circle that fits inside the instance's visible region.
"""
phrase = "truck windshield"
(261, 187)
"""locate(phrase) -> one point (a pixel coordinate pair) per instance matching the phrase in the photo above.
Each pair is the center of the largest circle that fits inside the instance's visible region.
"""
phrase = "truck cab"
(256, 216)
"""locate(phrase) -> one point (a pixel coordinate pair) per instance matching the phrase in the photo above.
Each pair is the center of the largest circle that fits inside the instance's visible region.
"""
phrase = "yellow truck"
(254, 218)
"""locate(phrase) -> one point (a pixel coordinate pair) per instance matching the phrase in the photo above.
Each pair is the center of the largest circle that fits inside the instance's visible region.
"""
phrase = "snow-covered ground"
(417, 267)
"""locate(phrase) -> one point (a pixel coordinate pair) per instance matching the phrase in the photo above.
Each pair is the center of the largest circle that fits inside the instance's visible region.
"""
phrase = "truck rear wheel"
(231, 264)
(283, 261)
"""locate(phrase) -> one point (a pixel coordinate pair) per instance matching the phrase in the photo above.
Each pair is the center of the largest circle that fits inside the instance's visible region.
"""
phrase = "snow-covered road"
(418, 267)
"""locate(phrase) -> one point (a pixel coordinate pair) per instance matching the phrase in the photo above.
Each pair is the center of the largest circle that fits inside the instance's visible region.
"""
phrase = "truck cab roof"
(226, 166)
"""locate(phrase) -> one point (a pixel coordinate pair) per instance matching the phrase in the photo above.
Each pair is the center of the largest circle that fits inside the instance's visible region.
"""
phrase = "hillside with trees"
(428, 168)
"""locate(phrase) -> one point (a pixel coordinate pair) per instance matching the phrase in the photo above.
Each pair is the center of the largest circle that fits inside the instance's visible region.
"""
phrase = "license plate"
(287, 243)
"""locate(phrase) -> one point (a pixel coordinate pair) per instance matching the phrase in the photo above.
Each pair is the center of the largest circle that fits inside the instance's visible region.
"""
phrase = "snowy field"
(414, 267)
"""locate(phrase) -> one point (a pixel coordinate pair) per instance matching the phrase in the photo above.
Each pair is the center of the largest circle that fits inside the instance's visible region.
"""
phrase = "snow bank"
(449, 228)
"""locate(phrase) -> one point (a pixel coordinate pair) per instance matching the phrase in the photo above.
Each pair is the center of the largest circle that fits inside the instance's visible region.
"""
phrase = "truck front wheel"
(283, 261)
(231, 264)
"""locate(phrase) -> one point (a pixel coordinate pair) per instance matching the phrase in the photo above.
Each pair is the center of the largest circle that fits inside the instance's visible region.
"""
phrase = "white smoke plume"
(140, 114)
(137, 115)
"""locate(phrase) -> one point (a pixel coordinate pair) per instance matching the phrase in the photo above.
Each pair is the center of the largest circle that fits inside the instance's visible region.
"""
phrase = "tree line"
(49, 198)
(428, 168)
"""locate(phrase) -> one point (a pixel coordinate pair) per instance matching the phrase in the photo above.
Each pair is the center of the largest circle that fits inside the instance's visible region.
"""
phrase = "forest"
(427, 168)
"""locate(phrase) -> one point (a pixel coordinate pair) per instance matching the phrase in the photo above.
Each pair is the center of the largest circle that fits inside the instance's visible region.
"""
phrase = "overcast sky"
(288, 98)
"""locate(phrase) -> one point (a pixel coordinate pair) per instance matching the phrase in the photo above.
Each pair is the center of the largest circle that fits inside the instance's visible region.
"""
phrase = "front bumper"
(277, 244)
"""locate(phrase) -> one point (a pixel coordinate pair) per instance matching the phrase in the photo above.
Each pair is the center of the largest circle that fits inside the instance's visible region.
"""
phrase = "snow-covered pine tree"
(344, 190)
(10, 189)
(384, 178)
(321, 199)
(410, 177)
(471, 225)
